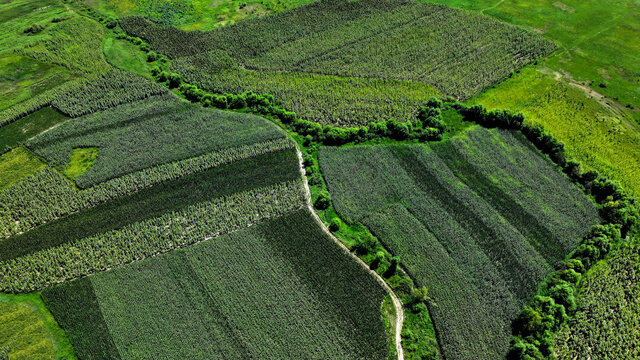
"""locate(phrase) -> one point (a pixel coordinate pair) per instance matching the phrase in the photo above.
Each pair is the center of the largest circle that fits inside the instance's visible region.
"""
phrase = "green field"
(29, 332)
(467, 220)
(269, 291)
(607, 323)
(17, 165)
(147, 133)
(296, 54)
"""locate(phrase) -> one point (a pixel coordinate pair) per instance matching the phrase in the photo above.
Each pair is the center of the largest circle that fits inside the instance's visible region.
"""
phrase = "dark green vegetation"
(29, 126)
(28, 330)
(299, 56)
(152, 202)
(240, 296)
(147, 133)
(606, 325)
(443, 211)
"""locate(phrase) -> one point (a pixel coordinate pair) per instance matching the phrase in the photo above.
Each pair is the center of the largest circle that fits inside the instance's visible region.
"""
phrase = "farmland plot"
(489, 217)
(397, 42)
(268, 291)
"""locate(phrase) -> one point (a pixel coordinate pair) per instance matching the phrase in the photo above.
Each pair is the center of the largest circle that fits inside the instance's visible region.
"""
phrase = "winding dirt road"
(397, 304)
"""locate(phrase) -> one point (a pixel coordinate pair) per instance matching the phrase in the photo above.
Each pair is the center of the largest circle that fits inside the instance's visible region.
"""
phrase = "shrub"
(323, 201)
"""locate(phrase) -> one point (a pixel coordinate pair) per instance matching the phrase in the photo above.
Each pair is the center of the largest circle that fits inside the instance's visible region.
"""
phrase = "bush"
(152, 56)
(334, 224)
(323, 201)
(33, 29)
(110, 22)
(174, 80)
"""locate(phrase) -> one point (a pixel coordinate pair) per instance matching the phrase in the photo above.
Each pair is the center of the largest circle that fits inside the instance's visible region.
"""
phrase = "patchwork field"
(261, 292)
(464, 54)
(467, 219)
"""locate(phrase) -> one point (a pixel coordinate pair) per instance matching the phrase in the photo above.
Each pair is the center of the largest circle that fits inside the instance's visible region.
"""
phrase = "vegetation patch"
(28, 331)
(460, 226)
(268, 291)
(80, 161)
(17, 165)
(29, 126)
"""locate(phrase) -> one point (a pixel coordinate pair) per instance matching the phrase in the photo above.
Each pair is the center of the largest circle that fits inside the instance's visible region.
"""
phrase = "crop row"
(47, 195)
(147, 238)
(267, 291)
(147, 133)
(152, 202)
(494, 262)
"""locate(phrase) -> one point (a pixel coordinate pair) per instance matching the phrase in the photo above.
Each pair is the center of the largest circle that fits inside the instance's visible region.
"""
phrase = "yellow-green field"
(16, 165)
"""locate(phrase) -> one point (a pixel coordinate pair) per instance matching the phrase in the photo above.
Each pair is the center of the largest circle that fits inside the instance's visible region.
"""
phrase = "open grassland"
(479, 220)
(606, 327)
(597, 39)
(194, 15)
(29, 332)
(268, 291)
(598, 135)
(399, 43)
(148, 133)
(17, 165)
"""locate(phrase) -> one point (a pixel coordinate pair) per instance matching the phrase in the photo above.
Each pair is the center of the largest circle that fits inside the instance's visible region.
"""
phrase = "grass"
(195, 15)
(596, 133)
(17, 165)
(597, 39)
(29, 330)
(126, 56)
(29, 126)
(268, 291)
(148, 133)
(80, 161)
(465, 218)
(606, 325)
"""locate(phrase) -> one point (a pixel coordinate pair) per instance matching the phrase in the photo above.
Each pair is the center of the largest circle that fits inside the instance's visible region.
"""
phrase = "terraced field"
(467, 219)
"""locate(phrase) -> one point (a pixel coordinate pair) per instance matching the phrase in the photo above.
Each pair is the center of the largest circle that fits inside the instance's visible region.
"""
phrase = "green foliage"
(28, 331)
(47, 195)
(286, 265)
(147, 133)
(466, 210)
(323, 201)
(243, 175)
(133, 242)
(16, 165)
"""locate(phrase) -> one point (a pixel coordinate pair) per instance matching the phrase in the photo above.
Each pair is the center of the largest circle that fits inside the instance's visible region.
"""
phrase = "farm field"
(466, 208)
(293, 305)
(319, 179)
(606, 327)
(325, 37)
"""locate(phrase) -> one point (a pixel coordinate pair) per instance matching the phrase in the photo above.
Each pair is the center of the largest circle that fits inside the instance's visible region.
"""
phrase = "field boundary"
(397, 303)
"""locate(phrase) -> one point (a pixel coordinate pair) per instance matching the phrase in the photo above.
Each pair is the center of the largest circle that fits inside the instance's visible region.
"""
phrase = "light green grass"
(29, 331)
(126, 56)
(598, 39)
(31, 125)
(598, 134)
(16, 165)
(80, 161)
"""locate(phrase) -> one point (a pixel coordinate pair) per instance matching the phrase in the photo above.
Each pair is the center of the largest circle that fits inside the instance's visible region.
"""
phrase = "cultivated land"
(276, 54)
(258, 292)
(115, 193)
(467, 221)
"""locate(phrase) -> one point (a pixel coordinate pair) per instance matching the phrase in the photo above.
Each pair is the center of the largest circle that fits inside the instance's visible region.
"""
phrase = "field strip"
(396, 301)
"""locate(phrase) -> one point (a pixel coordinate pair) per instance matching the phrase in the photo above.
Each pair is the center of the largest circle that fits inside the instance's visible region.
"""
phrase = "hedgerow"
(243, 175)
(48, 195)
(149, 237)
(146, 133)
(292, 302)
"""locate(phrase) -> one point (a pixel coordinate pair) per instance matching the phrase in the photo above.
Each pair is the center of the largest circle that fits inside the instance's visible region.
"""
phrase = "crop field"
(130, 137)
(291, 304)
(29, 332)
(17, 165)
(271, 54)
(607, 325)
(473, 206)
(598, 135)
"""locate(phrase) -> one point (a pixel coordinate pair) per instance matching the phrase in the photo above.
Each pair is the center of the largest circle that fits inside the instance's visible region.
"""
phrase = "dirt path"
(397, 303)
(492, 7)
